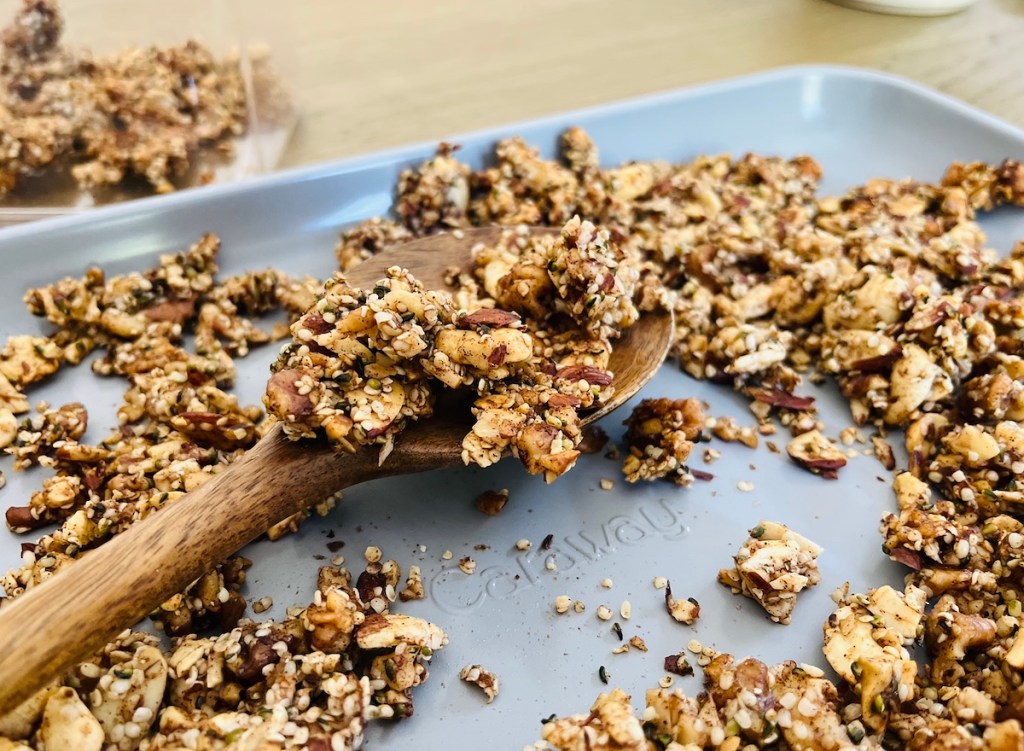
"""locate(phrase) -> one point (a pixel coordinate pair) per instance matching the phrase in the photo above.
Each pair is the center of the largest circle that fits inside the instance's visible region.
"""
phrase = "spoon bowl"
(69, 617)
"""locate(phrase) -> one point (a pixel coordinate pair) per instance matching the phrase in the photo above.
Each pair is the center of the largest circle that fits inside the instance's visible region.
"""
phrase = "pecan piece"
(783, 399)
(283, 394)
(593, 376)
(490, 317)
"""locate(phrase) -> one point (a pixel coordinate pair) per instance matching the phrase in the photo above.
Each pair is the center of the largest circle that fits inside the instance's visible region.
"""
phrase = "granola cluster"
(772, 567)
(530, 335)
(660, 434)
(314, 680)
(143, 113)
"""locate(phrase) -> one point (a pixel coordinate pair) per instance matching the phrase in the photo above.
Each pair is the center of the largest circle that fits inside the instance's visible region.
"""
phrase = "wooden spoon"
(68, 618)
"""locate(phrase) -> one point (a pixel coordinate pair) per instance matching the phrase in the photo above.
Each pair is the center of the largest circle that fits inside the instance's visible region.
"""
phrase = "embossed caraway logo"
(455, 592)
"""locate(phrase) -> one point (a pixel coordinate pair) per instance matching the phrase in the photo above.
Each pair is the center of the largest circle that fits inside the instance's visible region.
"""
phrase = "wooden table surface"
(370, 75)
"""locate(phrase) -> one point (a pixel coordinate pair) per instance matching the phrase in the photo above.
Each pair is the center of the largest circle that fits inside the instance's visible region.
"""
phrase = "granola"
(890, 289)
(141, 113)
(364, 363)
(660, 434)
(773, 566)
(314, 680)
(178, 424)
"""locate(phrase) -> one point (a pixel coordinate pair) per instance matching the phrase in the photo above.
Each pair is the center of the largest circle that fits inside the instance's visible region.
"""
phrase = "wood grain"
(368, 76)
(375, 75)
(73, 614)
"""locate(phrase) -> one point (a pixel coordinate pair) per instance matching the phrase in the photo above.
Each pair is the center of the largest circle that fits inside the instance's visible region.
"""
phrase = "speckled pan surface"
(857, 124)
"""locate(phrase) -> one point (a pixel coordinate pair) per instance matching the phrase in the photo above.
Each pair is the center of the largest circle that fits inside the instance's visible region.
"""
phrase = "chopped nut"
(816, 453)
(491, 502)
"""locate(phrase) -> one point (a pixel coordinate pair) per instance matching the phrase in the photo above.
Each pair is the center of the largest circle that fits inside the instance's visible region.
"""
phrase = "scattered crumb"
(678, 664)
(745, 485)
(373, 554)
(621, 649)
(604, 612)
(467, 564)
(606, 583)
(447, 555)
(625, 610)
(491, 502)
(545, 544)
(685, 611)
(578, 606)
(562, 603)
(773, 447)
(726, 429)
(660, 582)
(711, 455)
(638, 643)
(413, 585)
(607, 483)
(883, 450)
(549, 563)
(665, 681)
(523, 544)
(262, 605)
(485, 679)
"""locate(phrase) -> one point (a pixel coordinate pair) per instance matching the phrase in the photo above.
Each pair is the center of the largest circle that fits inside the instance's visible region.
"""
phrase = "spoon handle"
(72, 615)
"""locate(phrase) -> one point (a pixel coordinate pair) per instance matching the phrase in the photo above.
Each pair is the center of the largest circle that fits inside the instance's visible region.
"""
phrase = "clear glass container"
(255, 33)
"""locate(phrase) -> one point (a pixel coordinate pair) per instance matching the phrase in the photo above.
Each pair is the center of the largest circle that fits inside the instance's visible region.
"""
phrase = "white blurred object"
(909, 7)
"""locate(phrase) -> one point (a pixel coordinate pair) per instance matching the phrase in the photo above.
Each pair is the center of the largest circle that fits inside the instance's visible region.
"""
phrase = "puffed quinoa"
(562, 603)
